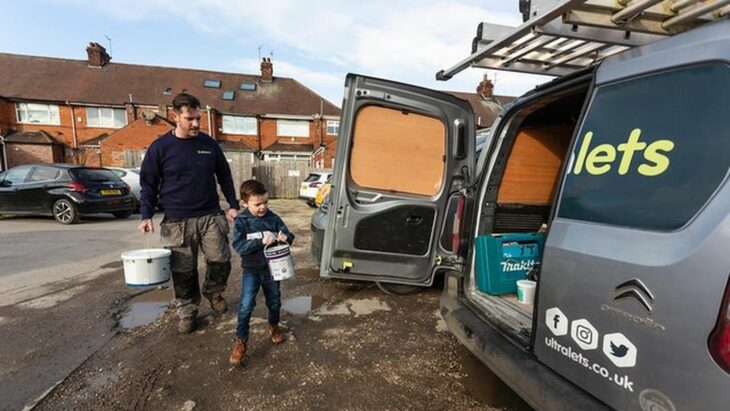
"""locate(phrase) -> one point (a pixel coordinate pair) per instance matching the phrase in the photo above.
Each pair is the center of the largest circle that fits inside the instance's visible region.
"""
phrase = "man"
(180, 169)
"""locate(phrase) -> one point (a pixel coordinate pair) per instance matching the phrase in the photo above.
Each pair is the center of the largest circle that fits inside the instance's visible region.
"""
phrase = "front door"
(401, 152)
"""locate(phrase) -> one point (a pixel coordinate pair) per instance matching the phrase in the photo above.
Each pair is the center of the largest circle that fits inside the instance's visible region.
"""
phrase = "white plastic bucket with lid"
(281, 264)
(145, 267)
(526, 291)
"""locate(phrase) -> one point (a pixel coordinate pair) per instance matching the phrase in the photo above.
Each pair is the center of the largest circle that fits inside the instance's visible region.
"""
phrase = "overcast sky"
(316, 42)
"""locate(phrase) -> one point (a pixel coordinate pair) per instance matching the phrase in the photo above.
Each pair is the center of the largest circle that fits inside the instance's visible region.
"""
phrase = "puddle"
(302, 305)
(357, 307)
(145, 308)
(488, 389)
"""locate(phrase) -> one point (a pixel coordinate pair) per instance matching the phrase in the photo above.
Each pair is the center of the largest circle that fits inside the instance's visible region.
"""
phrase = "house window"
(333, 127)
(37, 113)
(239, 125)
(210, 83)
(292, 128)
(228, 95)
(106, 117)
(248, 86)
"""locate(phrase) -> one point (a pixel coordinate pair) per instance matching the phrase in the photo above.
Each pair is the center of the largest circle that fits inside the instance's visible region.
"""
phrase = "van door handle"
(414, 219)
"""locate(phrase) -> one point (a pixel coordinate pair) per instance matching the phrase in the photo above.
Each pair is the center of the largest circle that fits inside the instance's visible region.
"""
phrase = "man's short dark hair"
(185, 100)
(252, 188)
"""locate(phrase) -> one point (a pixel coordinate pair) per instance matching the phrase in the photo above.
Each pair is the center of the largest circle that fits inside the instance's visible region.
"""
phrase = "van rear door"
(636, 263)
(401, 152)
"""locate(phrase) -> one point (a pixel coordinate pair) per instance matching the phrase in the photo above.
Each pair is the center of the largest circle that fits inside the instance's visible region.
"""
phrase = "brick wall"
(19, 154)
(138, 135)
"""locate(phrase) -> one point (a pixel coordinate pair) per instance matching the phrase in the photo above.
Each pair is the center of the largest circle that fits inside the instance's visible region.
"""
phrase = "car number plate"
(111, 192)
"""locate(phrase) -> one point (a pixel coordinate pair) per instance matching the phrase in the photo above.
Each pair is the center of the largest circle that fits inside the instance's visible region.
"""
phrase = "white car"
(131, 177)
(309, 187)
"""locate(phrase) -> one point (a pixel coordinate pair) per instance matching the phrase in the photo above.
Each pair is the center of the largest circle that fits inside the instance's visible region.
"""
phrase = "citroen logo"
(635, 289)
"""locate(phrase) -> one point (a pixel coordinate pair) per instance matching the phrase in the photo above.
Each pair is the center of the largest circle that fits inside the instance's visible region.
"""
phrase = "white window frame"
(335, 125)
(243, 125)
(106, 117)
(23, 113)
(292, 128)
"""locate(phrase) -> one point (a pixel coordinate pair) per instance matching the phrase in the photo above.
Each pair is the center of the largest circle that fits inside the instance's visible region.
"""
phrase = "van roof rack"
(559, 37)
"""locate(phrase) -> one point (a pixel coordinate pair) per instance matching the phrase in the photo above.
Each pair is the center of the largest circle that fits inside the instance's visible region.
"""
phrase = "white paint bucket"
(526, 291)
(280, 262)
(149, 266)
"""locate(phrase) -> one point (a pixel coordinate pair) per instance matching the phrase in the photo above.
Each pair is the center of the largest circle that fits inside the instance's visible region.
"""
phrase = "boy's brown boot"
(218, 304)
(238, 351)
(277, 337)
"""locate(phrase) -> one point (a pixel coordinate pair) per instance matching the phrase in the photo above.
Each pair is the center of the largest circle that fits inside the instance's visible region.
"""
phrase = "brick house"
(93, 111)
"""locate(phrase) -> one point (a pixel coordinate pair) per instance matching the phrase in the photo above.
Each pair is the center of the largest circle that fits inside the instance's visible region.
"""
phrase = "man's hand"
(232, 213)
(146, 226)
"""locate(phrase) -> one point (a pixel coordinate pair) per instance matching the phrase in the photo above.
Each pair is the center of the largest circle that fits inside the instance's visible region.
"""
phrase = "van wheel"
(122, 214)
(399, 289)
(65, 212)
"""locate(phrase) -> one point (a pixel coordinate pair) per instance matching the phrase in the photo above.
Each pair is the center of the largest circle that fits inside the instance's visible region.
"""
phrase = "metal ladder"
(561, 37)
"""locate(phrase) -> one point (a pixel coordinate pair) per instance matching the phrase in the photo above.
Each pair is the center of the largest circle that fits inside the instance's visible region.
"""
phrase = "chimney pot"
(485, 89)
(97, 55)
(267, 70)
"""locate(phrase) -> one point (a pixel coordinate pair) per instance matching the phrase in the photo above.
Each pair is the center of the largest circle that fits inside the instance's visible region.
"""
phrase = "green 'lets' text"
(600, 159)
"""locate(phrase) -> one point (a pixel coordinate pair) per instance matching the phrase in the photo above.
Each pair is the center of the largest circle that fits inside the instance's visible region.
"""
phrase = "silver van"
(612, 179)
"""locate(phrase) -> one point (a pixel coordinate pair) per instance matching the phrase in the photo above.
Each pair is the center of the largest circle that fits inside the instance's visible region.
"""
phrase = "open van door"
(402, 153)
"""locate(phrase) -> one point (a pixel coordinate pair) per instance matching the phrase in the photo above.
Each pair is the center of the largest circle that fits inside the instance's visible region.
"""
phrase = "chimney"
(98, 56)
(485, 89)
(267, 70)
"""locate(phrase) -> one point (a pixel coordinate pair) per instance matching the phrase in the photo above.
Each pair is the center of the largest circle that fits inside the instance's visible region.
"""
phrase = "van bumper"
(539, 386)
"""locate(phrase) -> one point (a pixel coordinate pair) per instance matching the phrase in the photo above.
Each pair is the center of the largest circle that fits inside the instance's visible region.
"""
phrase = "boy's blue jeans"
(249, 288)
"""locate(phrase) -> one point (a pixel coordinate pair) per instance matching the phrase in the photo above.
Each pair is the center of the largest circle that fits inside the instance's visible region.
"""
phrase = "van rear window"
(652, 150)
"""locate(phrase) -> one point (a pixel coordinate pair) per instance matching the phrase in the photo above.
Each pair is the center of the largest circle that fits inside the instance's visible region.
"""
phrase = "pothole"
(145, 308)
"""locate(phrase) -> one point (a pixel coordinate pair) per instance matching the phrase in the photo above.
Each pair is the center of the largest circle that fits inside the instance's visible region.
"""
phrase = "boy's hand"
(281, 237)
(267, 239)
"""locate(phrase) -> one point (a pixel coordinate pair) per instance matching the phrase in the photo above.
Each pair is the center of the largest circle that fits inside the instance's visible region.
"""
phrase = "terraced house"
(98, 112)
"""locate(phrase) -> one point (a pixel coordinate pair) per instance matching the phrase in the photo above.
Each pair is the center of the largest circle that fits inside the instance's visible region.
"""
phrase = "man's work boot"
(186, 325)
(218, 304)
(277, 337)
(237, 352)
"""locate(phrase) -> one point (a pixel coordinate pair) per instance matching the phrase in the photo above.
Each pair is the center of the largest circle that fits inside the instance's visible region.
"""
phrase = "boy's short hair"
(252, 188)
(185, 100)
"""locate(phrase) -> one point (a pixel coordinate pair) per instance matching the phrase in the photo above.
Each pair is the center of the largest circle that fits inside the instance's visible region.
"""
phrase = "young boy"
(255, 228)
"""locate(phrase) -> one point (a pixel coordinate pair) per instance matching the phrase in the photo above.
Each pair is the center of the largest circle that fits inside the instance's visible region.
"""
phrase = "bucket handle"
(276, 241)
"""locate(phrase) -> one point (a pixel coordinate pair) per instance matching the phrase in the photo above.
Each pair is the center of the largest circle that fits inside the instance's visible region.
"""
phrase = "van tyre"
(399, 289)
(65, 212)
(122, 214)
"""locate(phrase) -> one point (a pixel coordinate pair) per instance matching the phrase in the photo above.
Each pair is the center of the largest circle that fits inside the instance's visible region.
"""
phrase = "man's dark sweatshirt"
(182, 173)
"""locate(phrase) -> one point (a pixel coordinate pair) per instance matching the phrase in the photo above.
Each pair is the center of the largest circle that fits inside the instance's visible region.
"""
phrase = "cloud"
(318, 41)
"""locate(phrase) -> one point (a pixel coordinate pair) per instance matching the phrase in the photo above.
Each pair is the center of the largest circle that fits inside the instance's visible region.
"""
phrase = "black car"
(65, 191)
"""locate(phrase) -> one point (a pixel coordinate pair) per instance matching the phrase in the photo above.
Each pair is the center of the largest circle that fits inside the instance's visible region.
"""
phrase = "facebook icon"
(556, 321)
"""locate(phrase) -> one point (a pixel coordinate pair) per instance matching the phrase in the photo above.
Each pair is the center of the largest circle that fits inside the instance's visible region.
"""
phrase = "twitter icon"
(619, 350)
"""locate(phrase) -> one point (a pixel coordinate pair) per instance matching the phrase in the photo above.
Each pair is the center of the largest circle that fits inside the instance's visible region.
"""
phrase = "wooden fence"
(282, 178)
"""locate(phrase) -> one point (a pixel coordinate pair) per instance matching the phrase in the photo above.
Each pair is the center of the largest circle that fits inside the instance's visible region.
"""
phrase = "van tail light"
(720, 337)
(315, 184)
(77, 187)
(456, 228)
